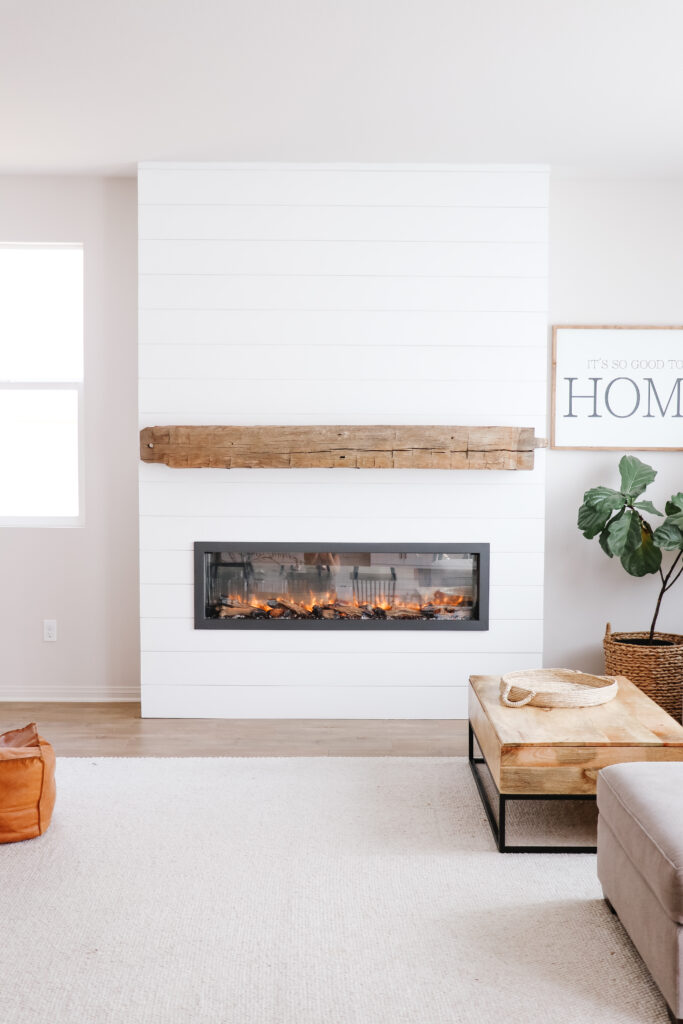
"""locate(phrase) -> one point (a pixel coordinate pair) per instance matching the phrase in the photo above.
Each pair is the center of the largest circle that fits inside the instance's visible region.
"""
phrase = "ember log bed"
(344, 586)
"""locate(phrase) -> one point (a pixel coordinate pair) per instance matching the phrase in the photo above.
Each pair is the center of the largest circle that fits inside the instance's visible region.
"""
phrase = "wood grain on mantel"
(351, 447)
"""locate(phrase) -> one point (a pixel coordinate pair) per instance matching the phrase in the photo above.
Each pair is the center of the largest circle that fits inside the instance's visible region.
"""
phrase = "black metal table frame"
(498, 825)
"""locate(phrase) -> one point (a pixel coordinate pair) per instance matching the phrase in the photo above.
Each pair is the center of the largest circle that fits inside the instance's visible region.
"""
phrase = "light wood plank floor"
(116, 730)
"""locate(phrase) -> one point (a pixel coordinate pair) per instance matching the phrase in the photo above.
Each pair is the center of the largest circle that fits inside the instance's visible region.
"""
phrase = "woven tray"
(556, 688)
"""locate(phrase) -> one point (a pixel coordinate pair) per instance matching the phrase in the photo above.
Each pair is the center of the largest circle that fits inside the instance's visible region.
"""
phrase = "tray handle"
(505, 696)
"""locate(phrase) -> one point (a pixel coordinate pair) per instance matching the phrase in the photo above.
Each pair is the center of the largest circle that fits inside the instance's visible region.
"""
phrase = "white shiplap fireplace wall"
(275, 294)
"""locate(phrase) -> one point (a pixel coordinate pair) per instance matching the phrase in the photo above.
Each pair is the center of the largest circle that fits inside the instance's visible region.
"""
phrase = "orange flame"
(438, 598)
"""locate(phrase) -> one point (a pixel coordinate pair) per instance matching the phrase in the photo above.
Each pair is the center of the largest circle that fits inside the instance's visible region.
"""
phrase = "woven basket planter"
(658, 671)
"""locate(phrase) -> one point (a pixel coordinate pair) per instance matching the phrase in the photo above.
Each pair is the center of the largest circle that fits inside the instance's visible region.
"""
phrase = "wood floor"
(116, 730)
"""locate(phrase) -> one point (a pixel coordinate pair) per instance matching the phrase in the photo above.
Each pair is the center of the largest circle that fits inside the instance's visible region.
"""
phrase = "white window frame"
(52, 522)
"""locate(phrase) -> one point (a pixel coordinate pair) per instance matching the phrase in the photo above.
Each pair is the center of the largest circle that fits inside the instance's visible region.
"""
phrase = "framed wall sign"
(617, 388)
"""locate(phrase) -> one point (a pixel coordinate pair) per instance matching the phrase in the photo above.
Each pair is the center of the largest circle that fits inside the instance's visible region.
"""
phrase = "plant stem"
(679, 573)
(657, 606)
(665, 586)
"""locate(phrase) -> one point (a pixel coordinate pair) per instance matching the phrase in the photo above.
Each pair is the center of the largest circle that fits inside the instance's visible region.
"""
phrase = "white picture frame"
(617, 388)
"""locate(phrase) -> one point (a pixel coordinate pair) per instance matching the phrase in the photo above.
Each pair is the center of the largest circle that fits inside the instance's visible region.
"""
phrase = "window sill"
(43, 523)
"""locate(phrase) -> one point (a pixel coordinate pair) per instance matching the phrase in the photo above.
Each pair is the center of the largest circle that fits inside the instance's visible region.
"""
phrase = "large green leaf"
(644, 559)
(676, 519)
(604, 497)
(668, 536)
(674, 504)
(647, 506)
(598, 505)
(592, 520)
(604, 536)
(602, 539)
(635, 476)
(623, 533)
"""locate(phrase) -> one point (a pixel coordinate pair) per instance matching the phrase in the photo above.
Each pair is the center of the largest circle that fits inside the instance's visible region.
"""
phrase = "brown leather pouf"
(27, 784)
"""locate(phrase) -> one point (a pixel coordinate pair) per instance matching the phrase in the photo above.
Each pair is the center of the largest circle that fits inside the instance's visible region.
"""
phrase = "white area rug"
(300, 891)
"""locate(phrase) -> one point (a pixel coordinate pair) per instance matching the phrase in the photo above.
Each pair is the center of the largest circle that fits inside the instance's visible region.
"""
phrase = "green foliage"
(635, 476)
(647, 506)
(669, 536)
(645, 558)
(616, 517)
(598, 506)
(605, 541)
(623, 533)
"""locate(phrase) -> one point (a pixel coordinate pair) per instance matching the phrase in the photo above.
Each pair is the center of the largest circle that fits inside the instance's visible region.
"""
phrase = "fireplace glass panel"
(350, 586)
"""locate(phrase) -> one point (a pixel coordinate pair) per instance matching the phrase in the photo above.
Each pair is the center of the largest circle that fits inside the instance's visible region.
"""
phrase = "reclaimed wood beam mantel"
(356, 447)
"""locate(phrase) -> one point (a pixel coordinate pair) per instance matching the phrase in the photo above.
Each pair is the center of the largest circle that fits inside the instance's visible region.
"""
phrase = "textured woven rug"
(301, 891)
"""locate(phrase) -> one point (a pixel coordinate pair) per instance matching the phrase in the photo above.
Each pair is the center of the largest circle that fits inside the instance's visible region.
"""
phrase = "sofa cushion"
(643, 805)
(27, 784)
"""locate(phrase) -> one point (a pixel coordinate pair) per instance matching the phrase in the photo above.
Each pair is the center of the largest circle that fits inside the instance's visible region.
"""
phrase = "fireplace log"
(232, 611)
(350, 447)
(454, 600)
(292, 606)
(350, 610)
(401, 613)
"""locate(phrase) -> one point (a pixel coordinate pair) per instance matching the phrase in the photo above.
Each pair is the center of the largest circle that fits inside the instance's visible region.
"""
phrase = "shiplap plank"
(342, 327)
(360, 702)
(408, 477)
(369, 258)
(204, 498)
(200, 417)
(322, 363)
(348, 223)
(378, 668)
(185, 291)
(175, 601)
(305, 186)
(173, 532)
(519, 635)
(337, 401)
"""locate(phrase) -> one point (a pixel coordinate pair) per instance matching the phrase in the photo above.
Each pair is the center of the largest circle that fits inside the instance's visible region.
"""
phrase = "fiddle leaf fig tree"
(616, 518)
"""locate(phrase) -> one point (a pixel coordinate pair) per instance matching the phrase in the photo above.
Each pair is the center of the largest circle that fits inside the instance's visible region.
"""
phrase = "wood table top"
(630, 719)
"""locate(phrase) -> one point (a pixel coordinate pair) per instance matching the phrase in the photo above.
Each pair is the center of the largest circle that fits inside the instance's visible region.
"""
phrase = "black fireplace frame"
(481, 622)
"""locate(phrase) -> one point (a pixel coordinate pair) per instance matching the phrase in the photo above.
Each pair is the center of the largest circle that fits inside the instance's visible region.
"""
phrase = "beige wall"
(85, 578)
(616, 257)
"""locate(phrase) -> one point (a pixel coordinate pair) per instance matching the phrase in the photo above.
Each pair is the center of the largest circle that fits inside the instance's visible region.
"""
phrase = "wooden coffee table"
(542, 754)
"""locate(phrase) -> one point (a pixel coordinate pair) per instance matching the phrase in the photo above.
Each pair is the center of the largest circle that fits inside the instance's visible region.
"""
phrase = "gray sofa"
(640, 864)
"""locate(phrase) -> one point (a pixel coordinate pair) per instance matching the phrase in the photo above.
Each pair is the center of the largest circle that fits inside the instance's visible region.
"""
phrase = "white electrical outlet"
(49, 629)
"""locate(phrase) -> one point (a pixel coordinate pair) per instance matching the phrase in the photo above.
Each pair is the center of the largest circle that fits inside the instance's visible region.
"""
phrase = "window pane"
(41, 312)
(39, 470)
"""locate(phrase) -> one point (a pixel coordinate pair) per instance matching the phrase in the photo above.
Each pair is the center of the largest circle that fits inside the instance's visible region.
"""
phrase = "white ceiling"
(590, 86)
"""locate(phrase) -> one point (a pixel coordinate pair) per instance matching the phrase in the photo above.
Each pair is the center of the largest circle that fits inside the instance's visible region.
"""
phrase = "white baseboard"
(84, 696)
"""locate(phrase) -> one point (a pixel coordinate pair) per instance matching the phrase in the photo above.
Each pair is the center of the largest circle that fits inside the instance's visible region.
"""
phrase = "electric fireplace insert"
(341, 586)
